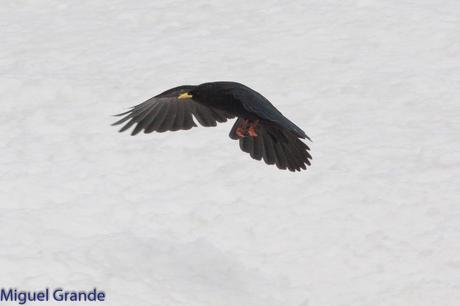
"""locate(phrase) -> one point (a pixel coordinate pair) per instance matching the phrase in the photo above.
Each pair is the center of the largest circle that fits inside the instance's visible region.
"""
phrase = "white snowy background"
(186, 218)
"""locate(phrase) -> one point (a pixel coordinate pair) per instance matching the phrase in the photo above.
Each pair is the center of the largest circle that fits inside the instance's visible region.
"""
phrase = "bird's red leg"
(241, 129)
(239, 132)
(252, 129)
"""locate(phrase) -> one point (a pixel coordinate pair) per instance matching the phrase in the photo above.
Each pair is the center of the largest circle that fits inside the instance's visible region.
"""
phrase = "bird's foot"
(242, 129)
(240, 132)
(252, 129)
(247, 128)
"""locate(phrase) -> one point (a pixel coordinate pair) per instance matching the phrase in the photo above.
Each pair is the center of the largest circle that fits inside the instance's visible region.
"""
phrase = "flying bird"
(261, 129)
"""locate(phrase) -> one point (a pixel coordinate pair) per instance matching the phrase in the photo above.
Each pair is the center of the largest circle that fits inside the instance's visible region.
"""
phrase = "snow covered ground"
(185, 218)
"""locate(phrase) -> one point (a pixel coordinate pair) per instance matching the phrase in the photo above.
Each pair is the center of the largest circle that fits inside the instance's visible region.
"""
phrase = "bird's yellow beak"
(184, 95)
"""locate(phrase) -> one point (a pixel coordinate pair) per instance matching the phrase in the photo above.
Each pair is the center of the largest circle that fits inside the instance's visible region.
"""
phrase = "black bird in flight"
(261, 129)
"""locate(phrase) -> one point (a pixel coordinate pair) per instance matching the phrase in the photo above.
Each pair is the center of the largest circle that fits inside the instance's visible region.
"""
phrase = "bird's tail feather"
(274, 145)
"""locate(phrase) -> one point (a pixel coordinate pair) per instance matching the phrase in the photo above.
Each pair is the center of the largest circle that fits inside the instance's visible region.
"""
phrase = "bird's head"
(202, 92)
(197, 93)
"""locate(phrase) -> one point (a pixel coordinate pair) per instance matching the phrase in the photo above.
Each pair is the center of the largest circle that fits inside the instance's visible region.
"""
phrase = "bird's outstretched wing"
(275, 145)
(165, 112)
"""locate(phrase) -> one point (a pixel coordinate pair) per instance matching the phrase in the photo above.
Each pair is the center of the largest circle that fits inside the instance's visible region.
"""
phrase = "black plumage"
(261, 129)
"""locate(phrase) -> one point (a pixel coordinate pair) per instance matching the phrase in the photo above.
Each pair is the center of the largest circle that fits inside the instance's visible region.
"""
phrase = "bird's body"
(261, 129)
